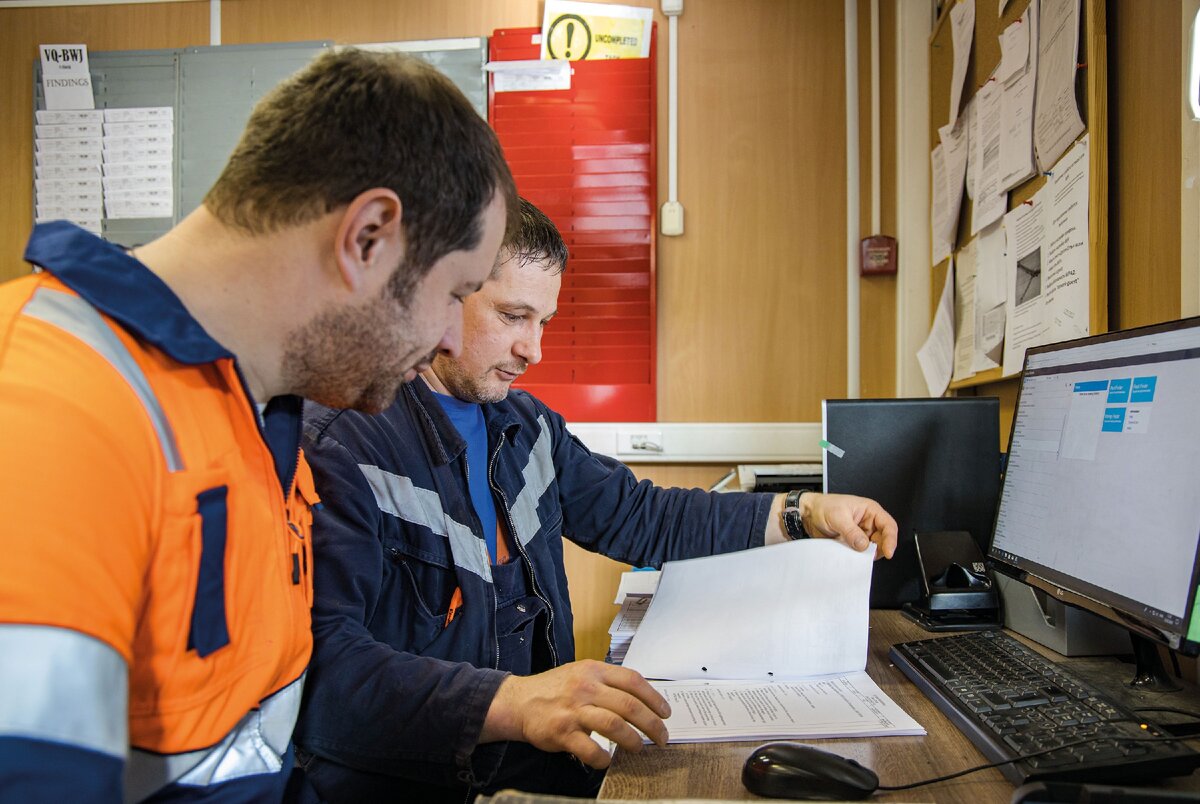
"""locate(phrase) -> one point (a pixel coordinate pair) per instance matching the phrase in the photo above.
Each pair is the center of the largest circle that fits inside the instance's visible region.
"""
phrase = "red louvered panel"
(586, 157)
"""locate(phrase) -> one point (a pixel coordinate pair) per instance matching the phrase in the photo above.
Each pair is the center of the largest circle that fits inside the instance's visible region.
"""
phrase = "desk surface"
(713, 770)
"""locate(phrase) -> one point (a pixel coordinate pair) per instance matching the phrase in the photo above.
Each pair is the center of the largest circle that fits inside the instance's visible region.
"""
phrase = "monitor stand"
(1065, 629)
(1150, 674)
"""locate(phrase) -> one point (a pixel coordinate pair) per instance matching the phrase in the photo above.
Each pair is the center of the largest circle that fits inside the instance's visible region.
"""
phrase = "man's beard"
(472, 389)
(351, 358)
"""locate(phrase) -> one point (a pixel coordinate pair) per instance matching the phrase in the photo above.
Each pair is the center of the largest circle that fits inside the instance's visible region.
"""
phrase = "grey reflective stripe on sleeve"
(256, 745)
(538, 475)
(398, 496)
(64, 687)
(76, 316)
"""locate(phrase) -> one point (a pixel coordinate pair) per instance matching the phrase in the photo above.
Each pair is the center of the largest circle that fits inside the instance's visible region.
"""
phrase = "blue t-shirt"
(467, 418)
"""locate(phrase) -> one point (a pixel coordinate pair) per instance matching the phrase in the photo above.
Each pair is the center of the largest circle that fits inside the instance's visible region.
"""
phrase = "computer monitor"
(1100, 503)
(934, 464)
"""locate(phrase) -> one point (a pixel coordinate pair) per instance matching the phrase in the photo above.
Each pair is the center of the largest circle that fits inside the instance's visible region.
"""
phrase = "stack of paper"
(67, 147)
(138, 162)
(625, 625)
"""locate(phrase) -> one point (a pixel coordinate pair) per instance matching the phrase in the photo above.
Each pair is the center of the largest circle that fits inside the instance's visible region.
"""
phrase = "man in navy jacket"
(444, 661)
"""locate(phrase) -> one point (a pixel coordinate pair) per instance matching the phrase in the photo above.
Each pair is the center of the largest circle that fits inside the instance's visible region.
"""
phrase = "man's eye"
(510, 318)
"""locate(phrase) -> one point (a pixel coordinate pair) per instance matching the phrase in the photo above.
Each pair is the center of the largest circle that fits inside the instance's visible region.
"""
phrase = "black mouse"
(792, 770)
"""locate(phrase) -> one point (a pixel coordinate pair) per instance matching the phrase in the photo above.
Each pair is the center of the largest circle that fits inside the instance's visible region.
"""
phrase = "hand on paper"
(855, 521)
(559, 709)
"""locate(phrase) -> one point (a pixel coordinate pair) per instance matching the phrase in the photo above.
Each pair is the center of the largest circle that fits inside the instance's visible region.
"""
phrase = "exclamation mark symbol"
(570, 33)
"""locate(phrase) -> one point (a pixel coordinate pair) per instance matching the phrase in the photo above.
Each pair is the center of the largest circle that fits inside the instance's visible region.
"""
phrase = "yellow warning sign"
(576, 31)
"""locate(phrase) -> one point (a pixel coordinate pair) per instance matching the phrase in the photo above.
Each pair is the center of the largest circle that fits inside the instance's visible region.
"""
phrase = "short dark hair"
(353, 120)
(535, 239)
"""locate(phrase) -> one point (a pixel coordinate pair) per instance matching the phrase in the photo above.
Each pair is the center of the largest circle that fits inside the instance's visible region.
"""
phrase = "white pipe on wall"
(852, 200)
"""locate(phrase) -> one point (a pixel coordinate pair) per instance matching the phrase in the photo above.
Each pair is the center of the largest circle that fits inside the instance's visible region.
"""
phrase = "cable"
(1024, 757)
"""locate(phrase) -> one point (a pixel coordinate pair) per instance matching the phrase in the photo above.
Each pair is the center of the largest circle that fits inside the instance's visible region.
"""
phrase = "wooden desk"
(713, 770)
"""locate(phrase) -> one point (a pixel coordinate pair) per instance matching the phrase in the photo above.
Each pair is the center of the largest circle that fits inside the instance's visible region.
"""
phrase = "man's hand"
(559, 709)
(856, 521)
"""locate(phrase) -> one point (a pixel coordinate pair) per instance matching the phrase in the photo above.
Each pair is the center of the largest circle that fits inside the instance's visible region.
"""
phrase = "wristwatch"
(793, 525)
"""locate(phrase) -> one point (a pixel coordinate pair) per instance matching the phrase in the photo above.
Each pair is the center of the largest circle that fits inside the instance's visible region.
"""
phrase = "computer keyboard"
(1011, 701)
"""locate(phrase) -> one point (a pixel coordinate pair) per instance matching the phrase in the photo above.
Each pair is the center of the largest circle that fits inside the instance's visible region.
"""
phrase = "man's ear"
(370, 242)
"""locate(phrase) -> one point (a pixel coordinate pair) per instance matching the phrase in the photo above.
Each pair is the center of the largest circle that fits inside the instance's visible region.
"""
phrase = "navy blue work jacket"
(393, 689)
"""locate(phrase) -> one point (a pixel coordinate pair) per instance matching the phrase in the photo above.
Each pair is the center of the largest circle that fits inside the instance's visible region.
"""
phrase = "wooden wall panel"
(124, 27)
(1146, 82)
(751, 298)
(877, 294)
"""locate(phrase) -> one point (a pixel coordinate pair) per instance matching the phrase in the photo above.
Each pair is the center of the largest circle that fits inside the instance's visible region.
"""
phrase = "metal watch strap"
(793, 525)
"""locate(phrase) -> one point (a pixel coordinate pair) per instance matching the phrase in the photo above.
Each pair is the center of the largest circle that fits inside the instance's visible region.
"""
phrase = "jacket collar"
(123, 289)
(447, 445)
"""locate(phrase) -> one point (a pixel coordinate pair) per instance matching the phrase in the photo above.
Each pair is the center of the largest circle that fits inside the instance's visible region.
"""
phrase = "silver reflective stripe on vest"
(398, 496)
(256, 745)
(538, 475)
(65, 687)
(76, 316)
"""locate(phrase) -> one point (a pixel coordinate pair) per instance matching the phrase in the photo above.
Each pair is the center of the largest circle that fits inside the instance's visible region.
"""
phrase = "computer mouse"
(792, 770)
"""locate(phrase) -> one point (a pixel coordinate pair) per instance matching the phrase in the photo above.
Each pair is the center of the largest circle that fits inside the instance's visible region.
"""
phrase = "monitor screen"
(934, 464)
(1100, 503)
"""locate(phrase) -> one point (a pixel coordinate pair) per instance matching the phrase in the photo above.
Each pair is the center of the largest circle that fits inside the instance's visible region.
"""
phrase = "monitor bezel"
(1074, 591)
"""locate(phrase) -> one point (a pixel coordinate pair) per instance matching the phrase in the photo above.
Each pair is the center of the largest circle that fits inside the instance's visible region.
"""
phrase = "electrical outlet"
(639, 441)
(671, 219)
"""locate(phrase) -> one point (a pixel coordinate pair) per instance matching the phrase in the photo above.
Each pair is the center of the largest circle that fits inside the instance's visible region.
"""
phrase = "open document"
(787, 611)
(849, 705)
(763, 644)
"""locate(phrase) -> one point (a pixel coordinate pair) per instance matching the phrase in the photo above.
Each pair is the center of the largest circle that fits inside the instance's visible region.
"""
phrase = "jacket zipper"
(495, 598)
(521, 549)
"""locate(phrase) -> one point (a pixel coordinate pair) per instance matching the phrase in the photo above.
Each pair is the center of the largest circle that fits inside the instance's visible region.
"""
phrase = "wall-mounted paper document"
(1016, 114)
(971, 120)
(936, 355)
(66, 79)
(1024, 231)
(1014, 50)
(529, 75)
(1048, 262)
(1068, 273)
(940, 206)
(991, 200)
(962, 29)
(990, 297)
(849, 705)
(575, 31)
(782, 612)
(1057, 123)
(964, 311)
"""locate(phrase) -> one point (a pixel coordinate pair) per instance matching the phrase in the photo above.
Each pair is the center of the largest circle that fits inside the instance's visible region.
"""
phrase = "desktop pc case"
(934, 464)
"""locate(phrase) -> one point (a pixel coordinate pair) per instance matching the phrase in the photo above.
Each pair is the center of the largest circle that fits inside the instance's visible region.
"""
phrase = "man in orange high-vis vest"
(155, 580)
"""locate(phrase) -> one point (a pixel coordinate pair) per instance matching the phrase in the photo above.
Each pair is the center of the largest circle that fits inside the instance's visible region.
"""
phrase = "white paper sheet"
(974, 156)
(1016, 114)
(990, 298)
(66, 79)
(940, 212)
(964, 311)
(1024, 234)
(1057, 122)
(525, 75)
(936, 355)
(850, 705)
(639, 582)
(962, 28)
(1014, 50)
(782, 612)
(991, 200)
(1067, 276)
(956, 142)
